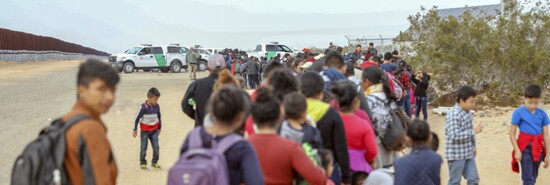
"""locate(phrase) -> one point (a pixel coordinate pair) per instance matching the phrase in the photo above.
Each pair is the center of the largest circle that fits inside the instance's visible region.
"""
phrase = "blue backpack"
(200, 165)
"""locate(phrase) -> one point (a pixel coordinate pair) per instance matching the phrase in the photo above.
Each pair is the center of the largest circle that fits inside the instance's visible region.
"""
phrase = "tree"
(498, 56)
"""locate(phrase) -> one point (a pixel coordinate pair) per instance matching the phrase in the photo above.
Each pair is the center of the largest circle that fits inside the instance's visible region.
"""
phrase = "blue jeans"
(466, 168)
(406, 105)
(253, 81)
(422, 104)
(145, 137)
(529, 168)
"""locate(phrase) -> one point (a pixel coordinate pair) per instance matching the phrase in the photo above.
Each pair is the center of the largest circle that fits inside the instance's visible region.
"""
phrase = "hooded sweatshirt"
(331, 126)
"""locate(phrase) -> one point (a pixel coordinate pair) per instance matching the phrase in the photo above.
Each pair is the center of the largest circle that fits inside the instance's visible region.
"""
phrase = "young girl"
(241, 158)
(360, 136)
(279, 158)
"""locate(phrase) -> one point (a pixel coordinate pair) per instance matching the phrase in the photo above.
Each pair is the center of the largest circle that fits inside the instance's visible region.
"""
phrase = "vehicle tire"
(147, 70)
(128, 67)
(202, 66)
(175, 67)
(165, 70)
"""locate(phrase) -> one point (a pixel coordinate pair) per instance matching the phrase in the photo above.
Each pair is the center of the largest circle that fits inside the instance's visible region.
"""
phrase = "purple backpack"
(200, 165)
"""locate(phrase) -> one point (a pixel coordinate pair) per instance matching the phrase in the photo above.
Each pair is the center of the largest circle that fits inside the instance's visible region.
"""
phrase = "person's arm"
(513, 140)
(160, 121)
(139, 115)
(96, 155)
(252, 173)
(340, 145)
(546, 133)
(516, 118)
(305, 167)
(547, 145)
(457, 133)
(370, 145)
(317, 139)
(414, 80)
(190, 94)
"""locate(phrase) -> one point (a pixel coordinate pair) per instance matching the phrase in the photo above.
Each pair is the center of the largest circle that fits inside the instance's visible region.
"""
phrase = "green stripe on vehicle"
(271, 54)
(161, 61)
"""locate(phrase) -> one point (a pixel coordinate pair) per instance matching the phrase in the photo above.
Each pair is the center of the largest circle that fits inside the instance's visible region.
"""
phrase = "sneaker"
(155, 165)
(143, 167)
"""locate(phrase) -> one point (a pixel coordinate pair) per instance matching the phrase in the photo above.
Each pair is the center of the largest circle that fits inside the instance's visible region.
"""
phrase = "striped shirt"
(460, 138)
(148, 117)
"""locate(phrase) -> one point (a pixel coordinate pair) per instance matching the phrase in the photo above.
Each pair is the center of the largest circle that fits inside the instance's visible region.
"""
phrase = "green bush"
(498, 56)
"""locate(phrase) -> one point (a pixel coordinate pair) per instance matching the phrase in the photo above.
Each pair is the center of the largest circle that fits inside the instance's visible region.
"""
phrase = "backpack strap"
(73, 120)
(195, 140)
(228, 142)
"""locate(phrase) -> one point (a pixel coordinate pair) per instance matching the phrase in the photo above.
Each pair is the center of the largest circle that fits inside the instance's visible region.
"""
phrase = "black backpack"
(41, 163)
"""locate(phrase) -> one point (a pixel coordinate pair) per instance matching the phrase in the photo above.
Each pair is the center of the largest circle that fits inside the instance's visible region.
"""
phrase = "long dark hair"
(266, 109)
(345, 92)
(283, 83)
(376, 76)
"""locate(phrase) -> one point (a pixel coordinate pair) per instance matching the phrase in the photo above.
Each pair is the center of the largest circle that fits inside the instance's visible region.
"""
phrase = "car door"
(271, 50)
(145, 58)
(159, 57)
(172, 54)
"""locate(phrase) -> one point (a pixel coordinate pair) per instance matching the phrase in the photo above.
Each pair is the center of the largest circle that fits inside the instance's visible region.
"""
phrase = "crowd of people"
(327, 118)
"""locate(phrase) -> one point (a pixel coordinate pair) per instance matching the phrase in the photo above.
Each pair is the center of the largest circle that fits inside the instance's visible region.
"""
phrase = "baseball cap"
(216, 61)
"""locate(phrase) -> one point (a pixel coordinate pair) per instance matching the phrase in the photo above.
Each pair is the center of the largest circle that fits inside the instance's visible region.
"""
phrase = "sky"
(114, 26)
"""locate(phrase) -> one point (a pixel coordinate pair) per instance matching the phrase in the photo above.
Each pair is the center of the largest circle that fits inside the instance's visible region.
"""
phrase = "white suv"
(147, 57)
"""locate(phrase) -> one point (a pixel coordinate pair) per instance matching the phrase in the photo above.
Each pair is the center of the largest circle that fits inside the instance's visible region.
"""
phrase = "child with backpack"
(279, 158)
(533, 143)
(216, 154)
(423, 165)
(295, 126)
(75, 149)
(360, 136)
(460, 139)
(149, 120)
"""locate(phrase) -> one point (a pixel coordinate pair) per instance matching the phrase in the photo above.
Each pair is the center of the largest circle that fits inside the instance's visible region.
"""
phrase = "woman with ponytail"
(228, 106)
(381, 101)
(225, 77)
(361, 141)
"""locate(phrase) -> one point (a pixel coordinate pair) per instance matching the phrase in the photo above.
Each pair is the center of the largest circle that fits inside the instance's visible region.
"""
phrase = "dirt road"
(31, 94)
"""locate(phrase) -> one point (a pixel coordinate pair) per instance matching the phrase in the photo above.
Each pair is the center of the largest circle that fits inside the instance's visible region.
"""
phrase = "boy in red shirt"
(533, 142)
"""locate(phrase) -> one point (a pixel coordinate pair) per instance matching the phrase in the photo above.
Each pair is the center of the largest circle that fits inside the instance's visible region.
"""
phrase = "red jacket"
(537, 146)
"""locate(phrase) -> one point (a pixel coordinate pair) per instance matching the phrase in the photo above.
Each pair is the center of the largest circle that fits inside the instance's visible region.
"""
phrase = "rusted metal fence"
(29, 56)
(20, 46)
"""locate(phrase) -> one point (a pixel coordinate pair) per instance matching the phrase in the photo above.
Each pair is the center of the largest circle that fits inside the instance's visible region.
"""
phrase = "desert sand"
(33, 94)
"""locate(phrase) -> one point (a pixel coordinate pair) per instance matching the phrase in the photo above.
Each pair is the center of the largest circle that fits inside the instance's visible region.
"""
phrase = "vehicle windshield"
(132, 50)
